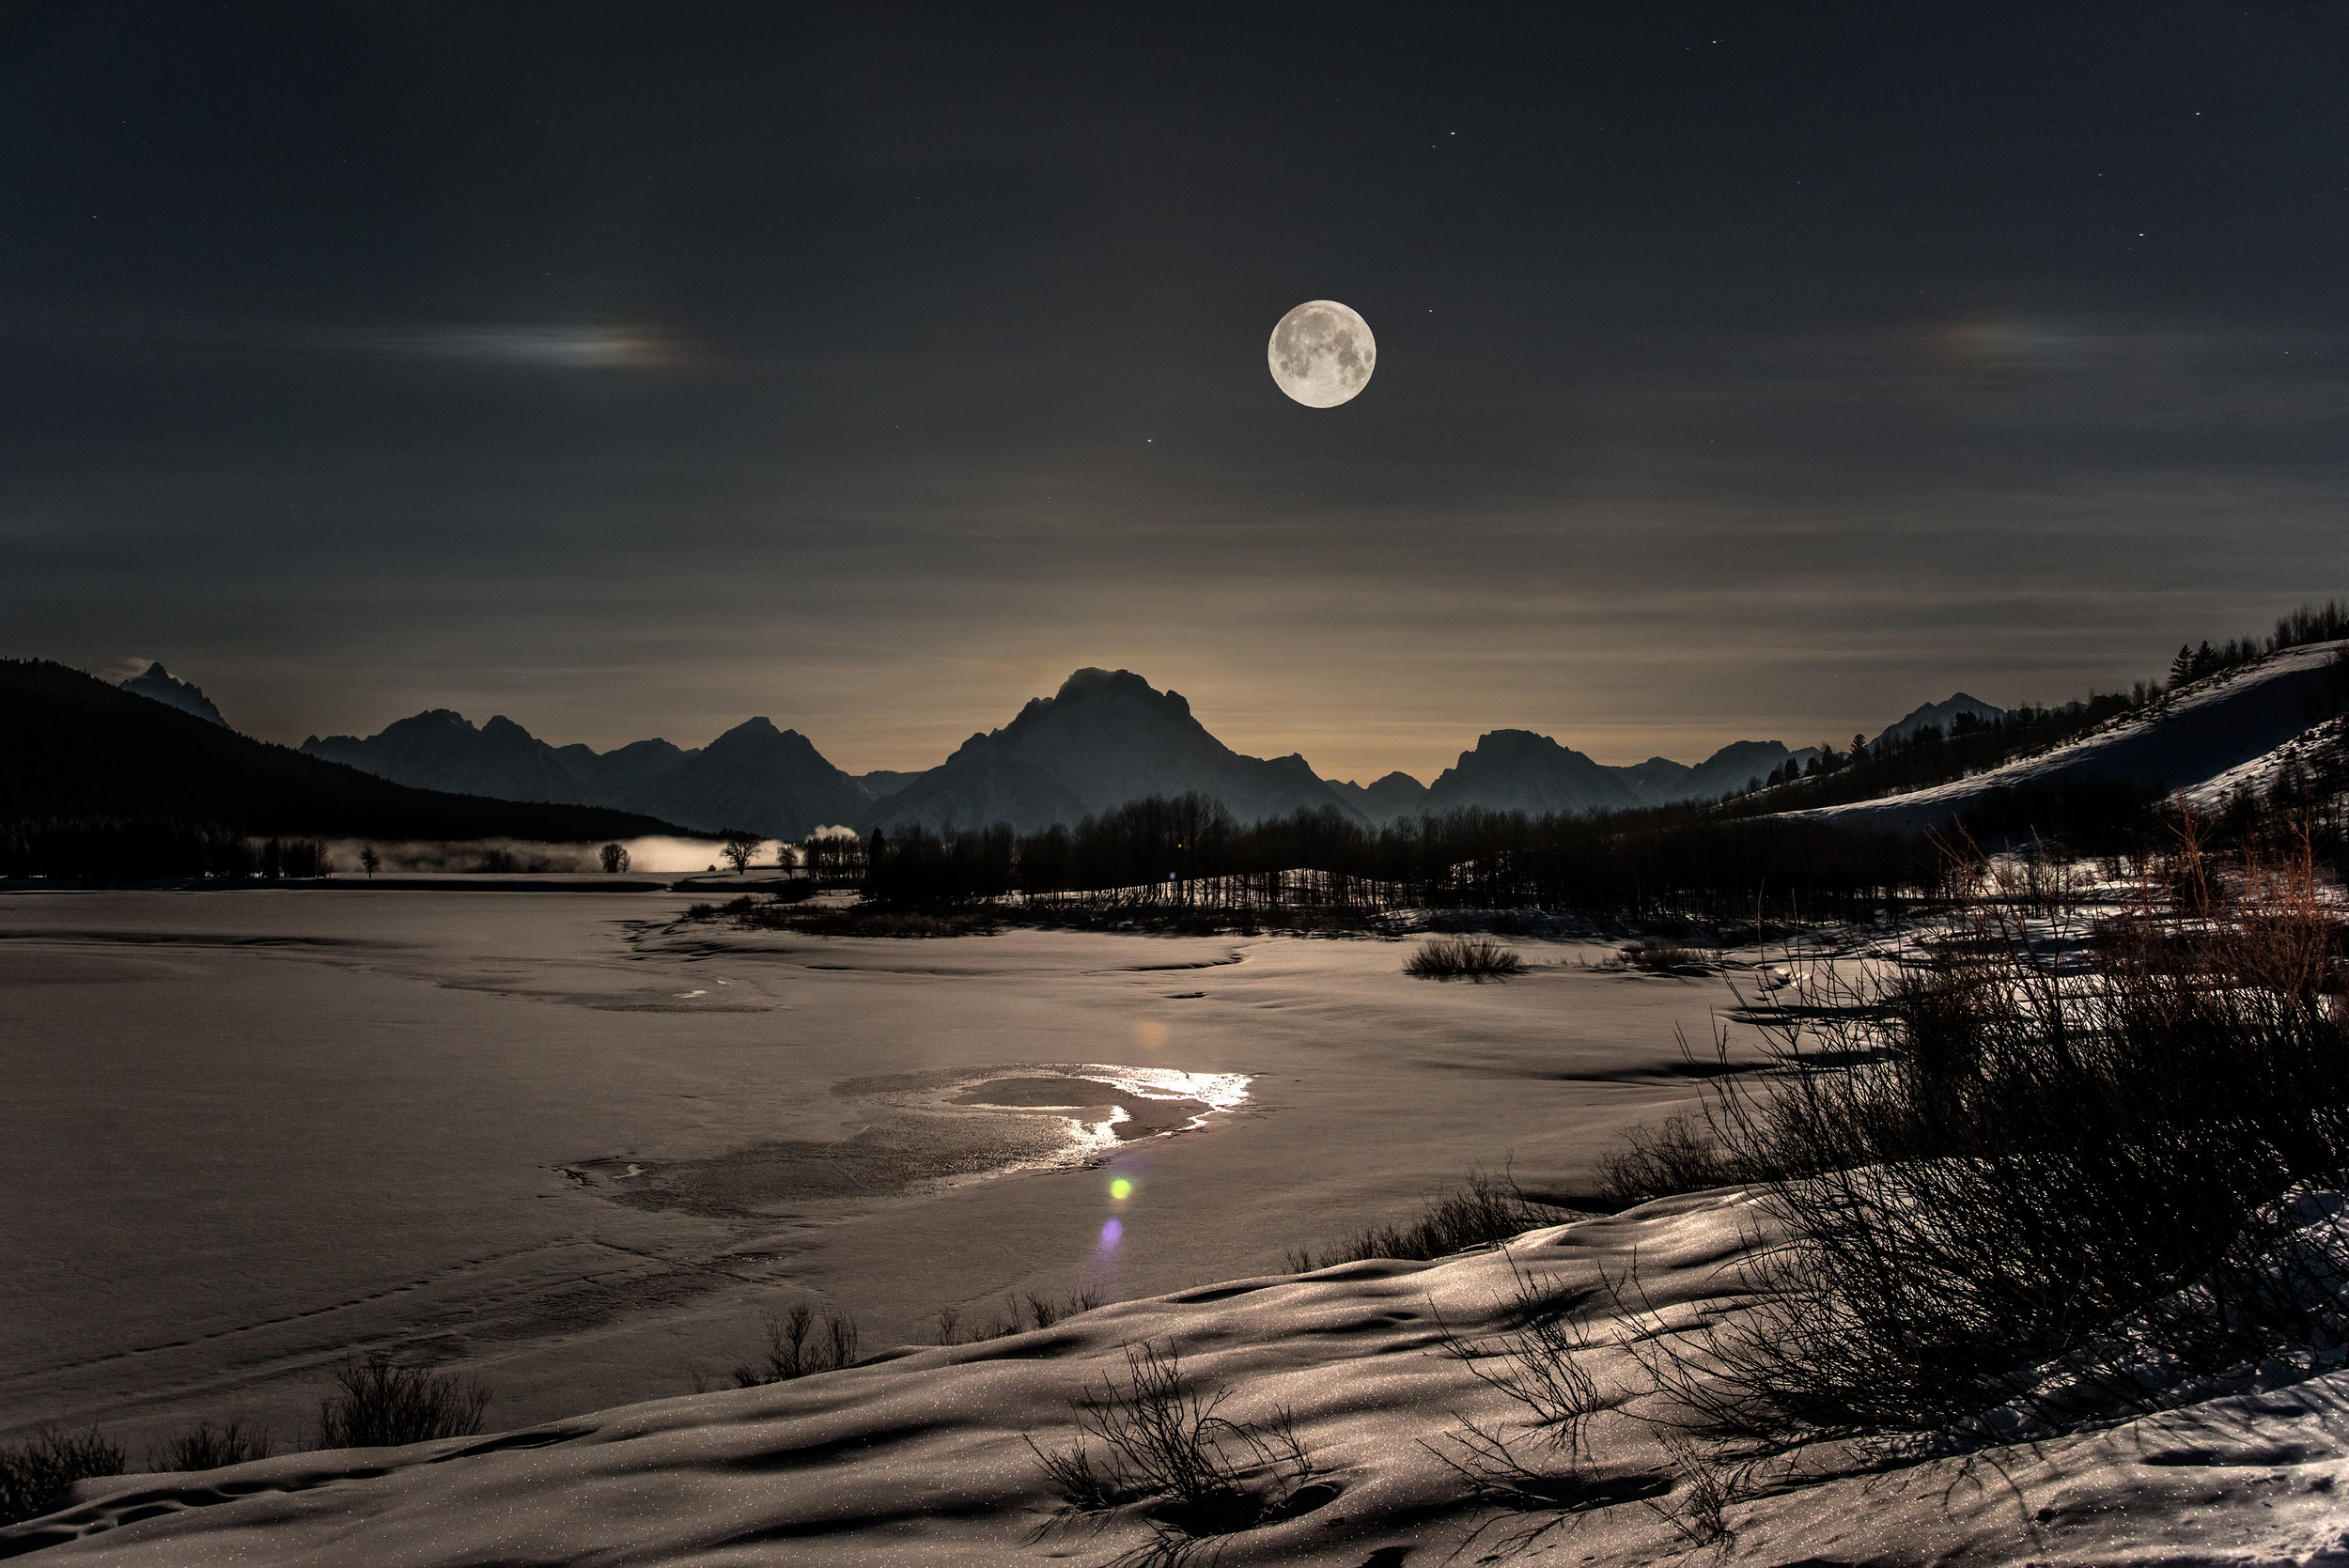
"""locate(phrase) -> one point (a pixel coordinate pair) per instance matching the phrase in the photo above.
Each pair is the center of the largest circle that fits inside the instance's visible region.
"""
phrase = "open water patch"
(930, 1130)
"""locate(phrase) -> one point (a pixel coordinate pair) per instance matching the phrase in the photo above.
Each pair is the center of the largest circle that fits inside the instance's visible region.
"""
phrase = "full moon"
(1322, 353)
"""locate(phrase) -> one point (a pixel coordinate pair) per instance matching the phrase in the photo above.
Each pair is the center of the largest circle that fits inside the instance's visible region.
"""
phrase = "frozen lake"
(582, 1147)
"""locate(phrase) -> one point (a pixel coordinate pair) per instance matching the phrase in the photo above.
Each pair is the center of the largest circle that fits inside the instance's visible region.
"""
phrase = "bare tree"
(740, 846)
(615, 859)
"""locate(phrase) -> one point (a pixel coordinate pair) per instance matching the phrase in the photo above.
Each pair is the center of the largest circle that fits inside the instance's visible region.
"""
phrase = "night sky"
(1744, 371)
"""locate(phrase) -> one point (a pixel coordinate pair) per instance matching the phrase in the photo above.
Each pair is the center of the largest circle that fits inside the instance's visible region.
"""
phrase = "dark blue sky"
(1744, 371)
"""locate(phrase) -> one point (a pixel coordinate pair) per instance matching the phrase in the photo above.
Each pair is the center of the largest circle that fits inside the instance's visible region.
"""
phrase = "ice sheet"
(254, 1130)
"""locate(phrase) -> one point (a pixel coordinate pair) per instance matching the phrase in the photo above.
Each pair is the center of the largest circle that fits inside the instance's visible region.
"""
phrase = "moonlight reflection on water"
(923, 1131)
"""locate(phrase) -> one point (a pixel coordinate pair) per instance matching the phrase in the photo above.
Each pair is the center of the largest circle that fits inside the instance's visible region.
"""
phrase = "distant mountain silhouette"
(1511, 769)
(881, 784)
(1384, 800)
(1942, 714)
(1519, 770)
(156, 684)
(754, 777)
(1660, 781)
(1104, 738)
(770, 781)
(79, 747)
(628, 776)
(442, 750)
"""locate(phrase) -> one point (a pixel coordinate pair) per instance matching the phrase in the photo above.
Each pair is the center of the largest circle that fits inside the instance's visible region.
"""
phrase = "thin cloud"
(572, 347)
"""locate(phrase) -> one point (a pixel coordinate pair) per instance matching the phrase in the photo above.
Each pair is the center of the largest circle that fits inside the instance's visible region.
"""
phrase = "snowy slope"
(2214, 725)
(919, 1456)
(2259, 774)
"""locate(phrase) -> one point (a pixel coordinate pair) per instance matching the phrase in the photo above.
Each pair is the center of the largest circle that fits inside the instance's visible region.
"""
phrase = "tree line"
(1188, 852)
(115, 849)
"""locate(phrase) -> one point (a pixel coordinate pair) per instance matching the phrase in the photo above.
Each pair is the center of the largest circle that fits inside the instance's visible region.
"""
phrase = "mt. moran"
(1103, 739)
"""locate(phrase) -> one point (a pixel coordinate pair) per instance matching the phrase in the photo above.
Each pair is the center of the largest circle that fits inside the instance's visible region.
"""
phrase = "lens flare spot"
(1121, 1189)
(1149, 1034)
(1111, 1230)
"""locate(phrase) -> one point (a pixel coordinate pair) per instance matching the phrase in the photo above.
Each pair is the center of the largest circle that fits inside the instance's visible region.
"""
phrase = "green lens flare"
(1121, 1189)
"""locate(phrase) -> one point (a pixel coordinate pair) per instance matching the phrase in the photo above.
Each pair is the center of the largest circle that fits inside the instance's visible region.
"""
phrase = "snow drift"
(924, 1454)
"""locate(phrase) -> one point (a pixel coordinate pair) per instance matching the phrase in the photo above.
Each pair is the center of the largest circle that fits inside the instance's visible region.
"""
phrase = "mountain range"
(80, 750)
(1106, 737)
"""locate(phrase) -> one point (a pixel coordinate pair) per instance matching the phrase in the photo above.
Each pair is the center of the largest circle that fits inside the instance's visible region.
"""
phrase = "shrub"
(797, 1347)
(206, 1447)
(33, 1473)
(2016, 1177)
(1018, 1317)
(382, 1405)
(1538, 1364)
(1680, 1154)
(1201, 1473)
(1477, 958)
(1487, 1208)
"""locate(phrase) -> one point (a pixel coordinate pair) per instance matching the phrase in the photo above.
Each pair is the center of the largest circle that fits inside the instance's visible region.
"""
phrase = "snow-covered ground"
(2260, 774)
(2218, 725)
(252, 1130)
(577, 1147)
(924, 1459)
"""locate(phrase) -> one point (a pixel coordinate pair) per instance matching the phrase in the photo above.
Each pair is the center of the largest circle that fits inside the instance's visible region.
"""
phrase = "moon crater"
(1322, 353)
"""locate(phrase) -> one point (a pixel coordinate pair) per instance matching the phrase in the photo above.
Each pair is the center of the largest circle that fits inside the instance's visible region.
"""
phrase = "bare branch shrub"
(1166, 1444)
(1475, 959)
(382, 1405)
(1537, 1473)
(1018, 1316)
(1485, 1209)
(799, 1347)
(33, 1473)
(2056, 1165)
(206, 1447)
(1707, 1484)
(1680, 1154)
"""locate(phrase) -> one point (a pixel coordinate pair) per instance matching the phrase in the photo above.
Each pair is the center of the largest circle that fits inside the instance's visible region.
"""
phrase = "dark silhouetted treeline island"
(1186, 854)
(1185, 862)
(100, 785)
